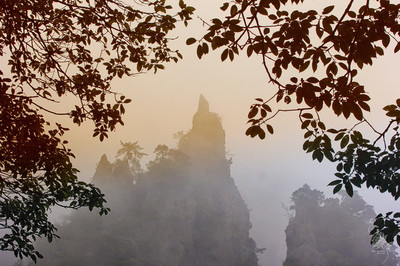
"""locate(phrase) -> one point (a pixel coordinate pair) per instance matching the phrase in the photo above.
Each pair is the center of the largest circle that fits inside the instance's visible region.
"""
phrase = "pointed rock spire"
(103, 170)
(104, 160)
(203, 105)
(206, 139)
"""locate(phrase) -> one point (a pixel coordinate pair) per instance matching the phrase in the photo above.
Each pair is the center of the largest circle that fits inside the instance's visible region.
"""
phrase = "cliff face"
(185, 210)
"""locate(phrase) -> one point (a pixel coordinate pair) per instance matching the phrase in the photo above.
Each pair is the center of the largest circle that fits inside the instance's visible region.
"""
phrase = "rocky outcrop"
(325, 232)
(186, 210)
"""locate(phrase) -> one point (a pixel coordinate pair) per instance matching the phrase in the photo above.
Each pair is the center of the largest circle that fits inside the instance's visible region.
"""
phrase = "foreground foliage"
(58, 49)
(326, 49)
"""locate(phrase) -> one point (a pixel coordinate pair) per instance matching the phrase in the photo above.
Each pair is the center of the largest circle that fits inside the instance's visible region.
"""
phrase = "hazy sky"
(266, 172)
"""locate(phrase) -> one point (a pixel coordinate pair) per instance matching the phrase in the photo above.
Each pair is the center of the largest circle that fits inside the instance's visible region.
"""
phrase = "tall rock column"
(221, 220)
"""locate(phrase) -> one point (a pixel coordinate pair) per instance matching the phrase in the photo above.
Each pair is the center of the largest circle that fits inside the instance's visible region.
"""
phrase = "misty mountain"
(185, 209)
(333, 232)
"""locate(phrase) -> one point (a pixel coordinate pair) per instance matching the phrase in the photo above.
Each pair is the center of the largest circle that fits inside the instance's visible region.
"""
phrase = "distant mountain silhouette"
(333, 232)
(185, 210)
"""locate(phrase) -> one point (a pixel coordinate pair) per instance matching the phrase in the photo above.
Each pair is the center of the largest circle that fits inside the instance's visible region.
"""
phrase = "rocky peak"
(112, 174)
(103, 171)
(204, 106)
(206, 139)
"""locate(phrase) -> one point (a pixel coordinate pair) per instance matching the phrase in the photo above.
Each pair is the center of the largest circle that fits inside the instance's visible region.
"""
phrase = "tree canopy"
(326, 49)
(132, 152)
(57, 49)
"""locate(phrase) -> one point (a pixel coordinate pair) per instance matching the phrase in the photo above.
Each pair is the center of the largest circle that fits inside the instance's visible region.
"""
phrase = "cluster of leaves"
(59, 48)
(333, 46)
(387, 226)
(35, 174)
(78, 47)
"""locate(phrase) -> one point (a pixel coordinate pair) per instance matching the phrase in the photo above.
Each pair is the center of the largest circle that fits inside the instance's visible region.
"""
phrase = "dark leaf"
(306, 145)
(205, 48)
(385, 40)
(356, 181)
(305, 124)
(357, 112)
(335, 182)
(249, 50)
(261, 134)
(307, 115)
(312, 80)
(344, 141)
(337, 188)
(304, 66)
(349, 188)
(199, 51)
(328, 9)
(253, 131)
(364, 106)
(234, 10)
(317, 154)
(224, 54)
(308, 133)
(190, 41)
(266, 107)
(224, 6)
(270, 129)
(231, 55)
(397, 48)
(253, 112)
